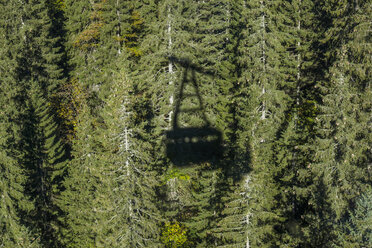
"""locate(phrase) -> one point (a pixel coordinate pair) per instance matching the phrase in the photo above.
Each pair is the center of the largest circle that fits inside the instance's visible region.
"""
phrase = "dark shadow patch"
(191, 145)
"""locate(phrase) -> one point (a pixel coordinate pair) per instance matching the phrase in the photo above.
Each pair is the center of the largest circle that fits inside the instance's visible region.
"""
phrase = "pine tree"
(356, 231)
(295, 148)
(41, 73)
(112, 155)
(261, 97)
(98, 39)
(36, 62)
(97, 33)
(343, 152)
(86, 199)
(203, 205)
(12, 175)
(201, 73)
(128, 153)
(158, 76)
(44, 158)
(234, 229)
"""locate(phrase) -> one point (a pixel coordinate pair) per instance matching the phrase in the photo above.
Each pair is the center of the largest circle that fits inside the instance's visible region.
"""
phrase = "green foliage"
(44, 161)
(131, 39)
(356, 231)
(234, 228)
(175, 173)
(60, 4)
(36, 149)
(89, 37)
(174, 235)
(113, 156)
(68, 103)
(13, 233)
(98, 83)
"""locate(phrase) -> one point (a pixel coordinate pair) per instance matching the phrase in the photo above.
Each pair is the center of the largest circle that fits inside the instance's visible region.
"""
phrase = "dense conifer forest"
(185, 123)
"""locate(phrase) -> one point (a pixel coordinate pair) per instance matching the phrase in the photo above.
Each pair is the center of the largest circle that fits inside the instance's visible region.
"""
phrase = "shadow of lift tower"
(191, 145)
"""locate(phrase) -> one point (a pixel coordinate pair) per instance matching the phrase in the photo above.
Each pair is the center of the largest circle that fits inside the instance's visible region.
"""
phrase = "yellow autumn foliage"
(89, 37)
(68, 103)
(60, 4)
(174, 235)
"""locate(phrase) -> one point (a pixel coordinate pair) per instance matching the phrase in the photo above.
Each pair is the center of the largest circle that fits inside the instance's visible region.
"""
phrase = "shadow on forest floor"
(191, 145)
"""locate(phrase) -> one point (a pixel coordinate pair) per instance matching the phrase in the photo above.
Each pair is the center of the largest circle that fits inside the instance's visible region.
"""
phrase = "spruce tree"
(41, 73)
(210, 49)
(284, 85)
(44, 158)
(201, 74)
(295, 147)
(12, 232)
(234, 229)
(85, 192)
(203, 205)
(13, 199)
(36, 69)
(356, 230)
(98, 39)
(261, 97)
(127, 154)
(343, 152)
(163, 38)
(97, 33)
(121, 211)
(12, 176)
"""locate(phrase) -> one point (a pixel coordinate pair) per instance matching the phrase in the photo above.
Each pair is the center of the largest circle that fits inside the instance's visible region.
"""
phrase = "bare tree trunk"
(170, 65)
(263, 26)
(119, 29)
